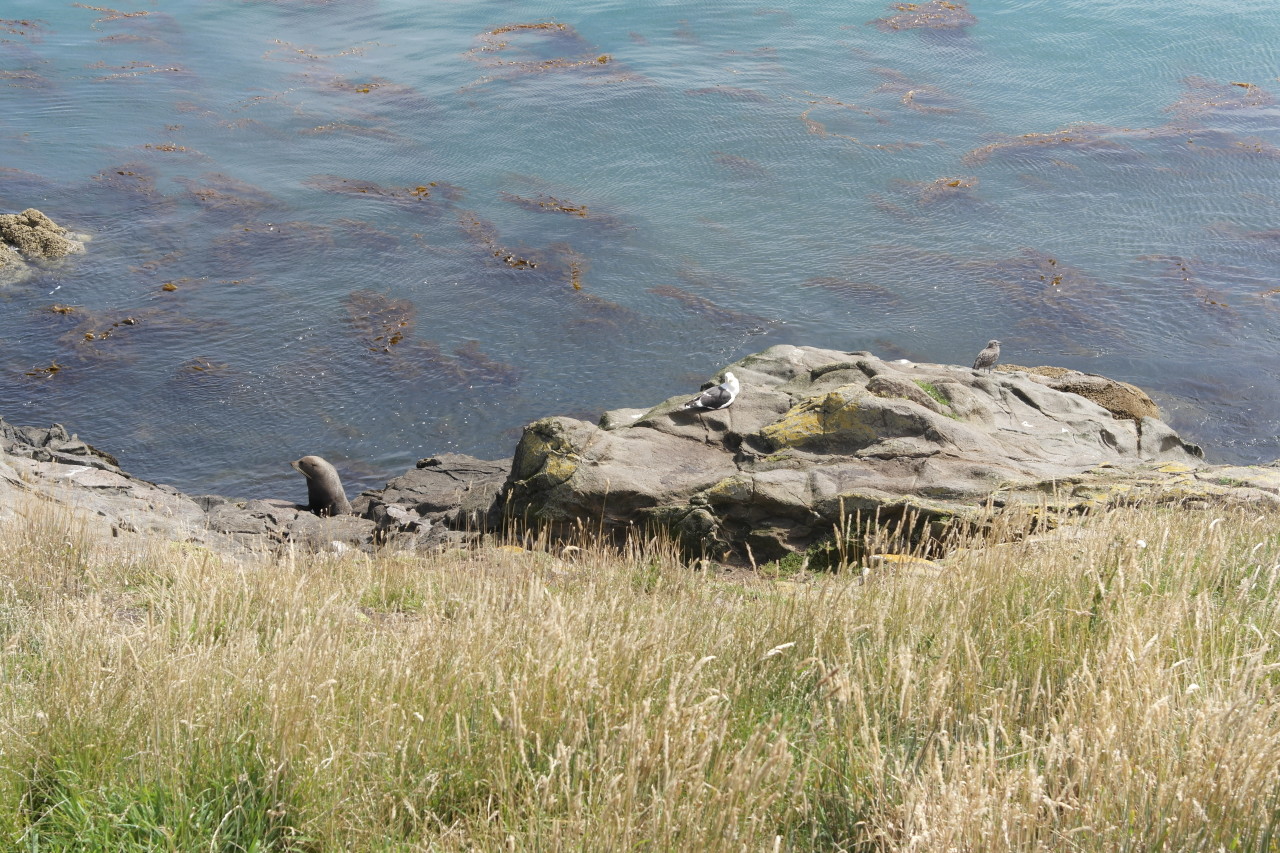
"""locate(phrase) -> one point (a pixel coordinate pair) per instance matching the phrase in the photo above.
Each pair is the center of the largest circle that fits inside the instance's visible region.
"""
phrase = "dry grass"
(1111, 691)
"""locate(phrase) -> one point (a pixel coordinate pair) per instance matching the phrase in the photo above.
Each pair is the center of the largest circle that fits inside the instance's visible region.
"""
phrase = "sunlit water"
(368, 213)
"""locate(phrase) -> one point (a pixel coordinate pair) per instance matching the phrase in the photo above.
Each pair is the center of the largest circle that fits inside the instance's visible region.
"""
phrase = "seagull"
(719, 397)
(988, 357)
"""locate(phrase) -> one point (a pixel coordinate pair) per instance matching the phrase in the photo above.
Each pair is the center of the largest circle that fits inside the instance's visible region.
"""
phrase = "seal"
(324, 489)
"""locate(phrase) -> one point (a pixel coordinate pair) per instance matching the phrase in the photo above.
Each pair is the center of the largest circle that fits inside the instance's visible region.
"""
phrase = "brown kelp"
(920, 97)
(539, 47)
(482, 233)
(428, 197)
(1202, 96)
(860, 294)
(380, 322)
(384, 325)
(546, 203)
(220, 192)
(1087, 138)
(935, 15)
(718, 314)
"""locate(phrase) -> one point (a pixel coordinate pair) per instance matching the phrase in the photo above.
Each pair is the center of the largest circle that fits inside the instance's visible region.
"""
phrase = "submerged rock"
(818, 439)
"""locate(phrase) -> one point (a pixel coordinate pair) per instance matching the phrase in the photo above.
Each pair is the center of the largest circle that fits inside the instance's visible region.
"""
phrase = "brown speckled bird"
(988, 357)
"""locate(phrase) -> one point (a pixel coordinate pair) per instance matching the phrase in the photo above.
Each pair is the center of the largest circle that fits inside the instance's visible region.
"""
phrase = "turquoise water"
(368, 213)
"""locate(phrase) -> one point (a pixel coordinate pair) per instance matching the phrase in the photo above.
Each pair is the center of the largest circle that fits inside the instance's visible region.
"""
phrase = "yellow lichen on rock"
(545, 451)
(738, 488)
(821, 418)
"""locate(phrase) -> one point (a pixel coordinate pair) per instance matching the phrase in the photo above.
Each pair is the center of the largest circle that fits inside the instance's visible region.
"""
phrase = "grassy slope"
(1115, 691)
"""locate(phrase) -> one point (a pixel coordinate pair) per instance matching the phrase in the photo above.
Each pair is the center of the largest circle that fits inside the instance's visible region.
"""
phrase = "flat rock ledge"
(820, 444)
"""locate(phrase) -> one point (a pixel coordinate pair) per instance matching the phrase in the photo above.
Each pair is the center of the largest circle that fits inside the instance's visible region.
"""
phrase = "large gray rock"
(818, 439)
(441, 502)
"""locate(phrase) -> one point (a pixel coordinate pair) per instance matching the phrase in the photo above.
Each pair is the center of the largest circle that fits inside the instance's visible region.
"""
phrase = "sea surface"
(377, 230)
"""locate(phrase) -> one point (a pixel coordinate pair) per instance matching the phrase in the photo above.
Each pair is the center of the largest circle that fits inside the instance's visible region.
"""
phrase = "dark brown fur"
(324, 488)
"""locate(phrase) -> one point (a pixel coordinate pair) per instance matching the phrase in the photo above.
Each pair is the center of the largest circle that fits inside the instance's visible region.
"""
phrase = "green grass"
(938, 397)
(1117, 689)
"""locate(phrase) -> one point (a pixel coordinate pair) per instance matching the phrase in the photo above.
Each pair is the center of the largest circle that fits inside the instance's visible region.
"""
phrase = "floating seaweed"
(1089, 138)
(739, 166)
(543, 46)
(941, 191)
(380, 321)
(137, 180)
(733, 93)
(817, 128)
(686, 33)
(89, 330)
(421, 197)
(151, 267)
(546, 203)
(31, 30)
(380, 89)
(897, 211)
(135, 69)
(475, 366)
(384, 325)
(45, 372)
(862, 293)
(1035, 271)
(1212, 142)
(711, 311)
(26, 78)
(134, 38)
(1065, 296)
(353, 129)
(936, 15)
(482, 233)
(217, 191)
(1202, 96)
(110, 14)
(596, 312)
(944, 189)
(251, 241)
(1183, 272)
(566, 263)
(920, 97)
(366, 236)
(288, 52)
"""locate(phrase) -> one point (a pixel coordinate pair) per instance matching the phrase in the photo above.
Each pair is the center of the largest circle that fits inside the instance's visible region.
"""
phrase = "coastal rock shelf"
(820, 446)
(818, 439)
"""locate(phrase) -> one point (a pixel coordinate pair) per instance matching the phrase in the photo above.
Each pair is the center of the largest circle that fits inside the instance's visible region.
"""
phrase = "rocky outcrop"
(444, 500)
(819, 439)
(36, 236)
(819, 446)
(28, 237)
